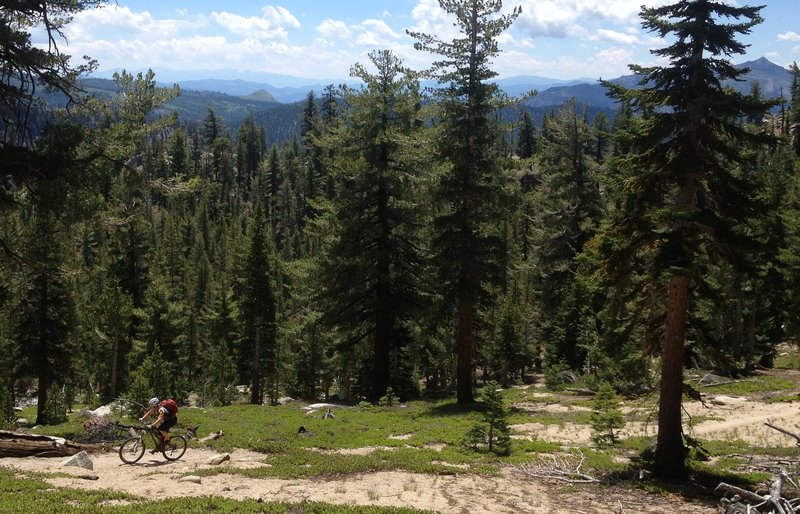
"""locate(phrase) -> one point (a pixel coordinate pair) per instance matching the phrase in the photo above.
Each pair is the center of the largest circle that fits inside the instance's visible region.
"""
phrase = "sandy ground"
(510, 492)
(721, 417)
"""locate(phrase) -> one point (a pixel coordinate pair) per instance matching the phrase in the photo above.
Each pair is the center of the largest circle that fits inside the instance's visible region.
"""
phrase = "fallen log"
(744, 494)
(746, 501)
(15, 444)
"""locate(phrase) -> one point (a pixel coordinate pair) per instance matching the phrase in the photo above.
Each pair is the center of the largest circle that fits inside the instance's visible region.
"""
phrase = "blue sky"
(322, 39)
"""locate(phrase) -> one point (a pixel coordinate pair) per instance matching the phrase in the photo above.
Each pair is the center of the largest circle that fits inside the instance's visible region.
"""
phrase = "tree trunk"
(114, 365)
(383, 298)
(255, 391)
(670, 458)
(464, 336)
(41, 397)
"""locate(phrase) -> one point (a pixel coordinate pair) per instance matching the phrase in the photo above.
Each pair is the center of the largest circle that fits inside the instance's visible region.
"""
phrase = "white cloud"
(274, 23)
(281, 16)
(122, 20)
(552, 18)
(789, 36)
(376, 33)
(369, 33)
(615, 37)
(333, 29)
(593, 37)
(429, 18)
(578, 18)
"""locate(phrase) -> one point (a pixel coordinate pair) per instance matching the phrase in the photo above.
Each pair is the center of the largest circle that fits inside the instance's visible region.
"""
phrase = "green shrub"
(494, 431)
(606, 416)
(389, 399)
(55, 411)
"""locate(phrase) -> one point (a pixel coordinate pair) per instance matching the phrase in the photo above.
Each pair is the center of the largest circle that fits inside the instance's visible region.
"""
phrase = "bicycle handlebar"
(143, 426)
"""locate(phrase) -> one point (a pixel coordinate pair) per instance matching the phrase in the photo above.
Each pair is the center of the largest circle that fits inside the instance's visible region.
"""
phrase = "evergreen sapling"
(493, 431)
(606, 416)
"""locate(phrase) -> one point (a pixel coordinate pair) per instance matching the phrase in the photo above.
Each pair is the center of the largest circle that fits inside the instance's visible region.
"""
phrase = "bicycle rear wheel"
(131, 450)
(175, 448)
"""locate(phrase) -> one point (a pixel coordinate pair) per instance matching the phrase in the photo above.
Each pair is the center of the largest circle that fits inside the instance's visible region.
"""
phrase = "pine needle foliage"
(683, 196)
(493, 432)
(606, 416)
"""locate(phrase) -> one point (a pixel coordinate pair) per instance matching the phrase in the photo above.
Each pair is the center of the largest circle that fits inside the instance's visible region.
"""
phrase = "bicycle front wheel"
(175, 448)
(131, 450)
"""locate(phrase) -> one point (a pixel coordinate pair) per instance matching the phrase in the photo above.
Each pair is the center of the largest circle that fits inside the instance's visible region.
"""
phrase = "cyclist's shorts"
(168, 423)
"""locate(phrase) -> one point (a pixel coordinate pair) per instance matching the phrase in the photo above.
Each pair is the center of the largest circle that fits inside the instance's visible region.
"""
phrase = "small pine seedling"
(606, 416)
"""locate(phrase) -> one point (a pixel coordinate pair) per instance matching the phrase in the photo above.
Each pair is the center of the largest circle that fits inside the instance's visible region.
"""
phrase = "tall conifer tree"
(684, 195)
(374, 263)
(258, 308)
(467, 243)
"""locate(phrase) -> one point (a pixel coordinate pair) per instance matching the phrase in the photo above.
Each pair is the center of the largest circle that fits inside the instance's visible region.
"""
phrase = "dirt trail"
(504, 494)
(745, 420)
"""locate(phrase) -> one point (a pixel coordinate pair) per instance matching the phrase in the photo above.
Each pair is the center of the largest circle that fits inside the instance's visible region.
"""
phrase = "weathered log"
(14, 444)
(744, 494)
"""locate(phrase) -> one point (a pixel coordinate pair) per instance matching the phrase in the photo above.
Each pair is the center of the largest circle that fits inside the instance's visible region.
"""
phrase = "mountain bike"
(132, 449)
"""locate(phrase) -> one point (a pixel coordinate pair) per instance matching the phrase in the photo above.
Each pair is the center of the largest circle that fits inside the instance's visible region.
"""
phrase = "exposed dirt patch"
(718, 416)
(510, 492)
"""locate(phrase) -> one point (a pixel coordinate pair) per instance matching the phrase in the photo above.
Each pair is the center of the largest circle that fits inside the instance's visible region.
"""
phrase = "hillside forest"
(405, 241)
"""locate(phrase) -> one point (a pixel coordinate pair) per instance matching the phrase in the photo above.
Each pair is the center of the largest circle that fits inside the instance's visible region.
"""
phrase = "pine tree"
(45, 310)
(684, 197)
(526, 147)
(794, 109)
(568, 214)
(508, 354)
(250, 151)
(495, 429)
(370, 273)
(26, 67)
(111, 319)
(211, 127)
(178, 152)
(467, 244)
(606, 416)
(257, 309)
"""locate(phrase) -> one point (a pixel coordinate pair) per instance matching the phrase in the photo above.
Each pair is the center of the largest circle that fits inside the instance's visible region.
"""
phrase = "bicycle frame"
(132, 449)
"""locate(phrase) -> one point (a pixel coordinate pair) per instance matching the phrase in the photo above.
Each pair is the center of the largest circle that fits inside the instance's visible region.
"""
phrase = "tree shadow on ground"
(454, 409)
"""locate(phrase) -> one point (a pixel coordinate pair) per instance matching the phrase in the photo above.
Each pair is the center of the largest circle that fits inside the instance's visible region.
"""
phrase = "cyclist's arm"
(159, 420)
(147, 414)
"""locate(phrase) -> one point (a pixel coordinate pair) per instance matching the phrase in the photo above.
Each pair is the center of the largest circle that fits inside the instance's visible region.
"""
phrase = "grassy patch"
(751, 385)
(26, 493)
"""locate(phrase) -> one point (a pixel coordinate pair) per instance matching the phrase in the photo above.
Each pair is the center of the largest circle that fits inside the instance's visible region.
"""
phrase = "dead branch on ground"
(563, 468)
(784, 431)
(772, 503)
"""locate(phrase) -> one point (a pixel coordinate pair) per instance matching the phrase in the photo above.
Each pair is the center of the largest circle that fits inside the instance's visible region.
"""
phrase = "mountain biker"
(167, 412)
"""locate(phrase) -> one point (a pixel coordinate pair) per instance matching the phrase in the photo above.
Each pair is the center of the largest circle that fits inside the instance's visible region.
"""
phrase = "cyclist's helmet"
(153, 402)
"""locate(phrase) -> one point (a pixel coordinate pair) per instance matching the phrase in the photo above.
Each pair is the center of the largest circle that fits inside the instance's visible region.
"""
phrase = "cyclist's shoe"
(170, 447)
(158, 448)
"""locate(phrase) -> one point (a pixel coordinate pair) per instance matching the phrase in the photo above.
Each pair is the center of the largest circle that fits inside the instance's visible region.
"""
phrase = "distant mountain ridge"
(279, 108)
(513, 86)
(287, 89)
(773, 79)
